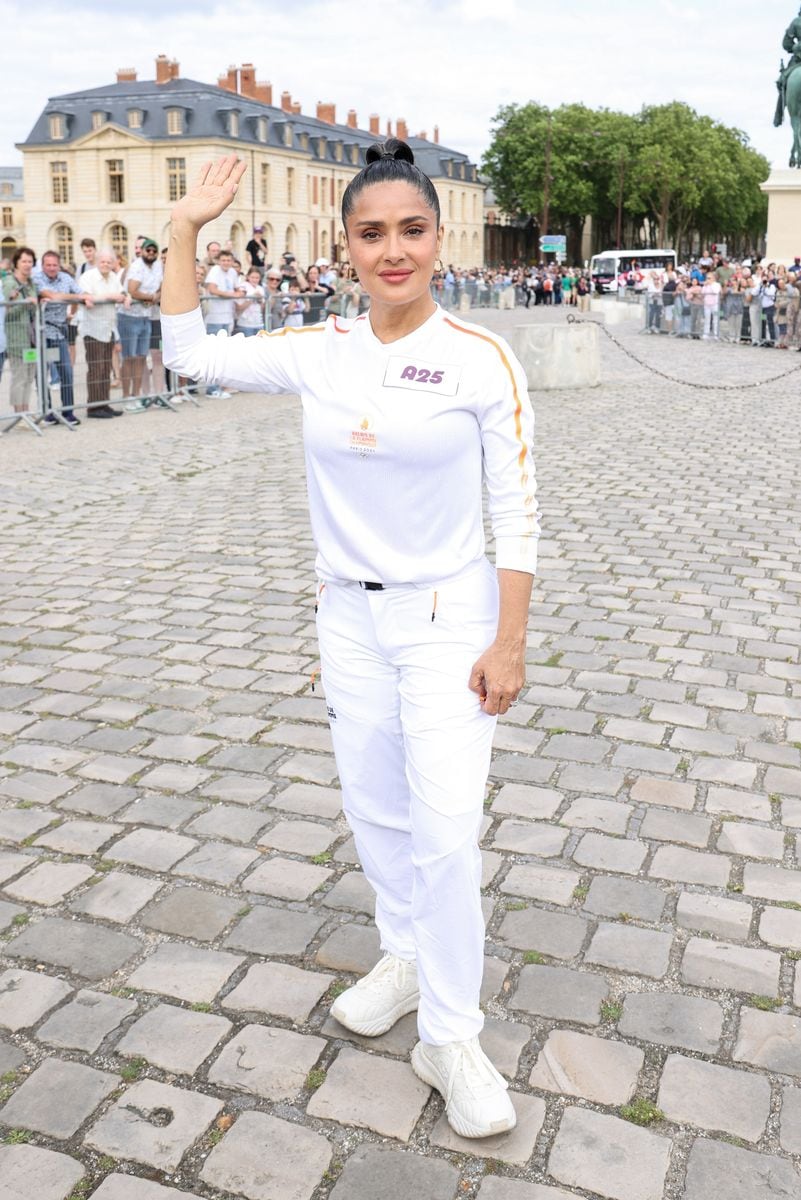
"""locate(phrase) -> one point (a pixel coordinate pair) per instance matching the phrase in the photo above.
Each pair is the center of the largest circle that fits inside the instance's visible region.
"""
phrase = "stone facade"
(109, 162)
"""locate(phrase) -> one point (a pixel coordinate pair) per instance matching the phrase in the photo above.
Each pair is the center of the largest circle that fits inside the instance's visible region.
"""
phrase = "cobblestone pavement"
(180, 898)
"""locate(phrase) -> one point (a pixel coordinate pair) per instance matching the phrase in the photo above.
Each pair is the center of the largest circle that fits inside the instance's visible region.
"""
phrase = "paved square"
(178, 884)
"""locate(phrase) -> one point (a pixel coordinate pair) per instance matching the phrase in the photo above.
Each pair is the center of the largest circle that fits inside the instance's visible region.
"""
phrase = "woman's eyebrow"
(382, 224)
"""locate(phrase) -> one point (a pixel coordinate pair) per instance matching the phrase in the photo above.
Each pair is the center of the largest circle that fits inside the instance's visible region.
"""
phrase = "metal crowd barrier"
(732, 319)
(52, 369)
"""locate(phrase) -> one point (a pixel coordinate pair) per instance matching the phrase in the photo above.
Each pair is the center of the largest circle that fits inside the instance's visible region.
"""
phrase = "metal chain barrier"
(572, 319)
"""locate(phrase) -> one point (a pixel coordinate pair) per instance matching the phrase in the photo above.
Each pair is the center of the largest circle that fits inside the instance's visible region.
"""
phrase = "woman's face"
(25, 265)
(313, 275)
(393, 242)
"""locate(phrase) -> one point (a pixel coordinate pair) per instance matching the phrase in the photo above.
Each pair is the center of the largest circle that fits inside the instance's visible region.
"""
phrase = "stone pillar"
(783, 190)
(558, 356)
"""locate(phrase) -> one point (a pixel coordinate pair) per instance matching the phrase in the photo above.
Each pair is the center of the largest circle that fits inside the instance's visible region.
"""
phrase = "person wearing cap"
(328, 275)
(256, 249)
(144, 279)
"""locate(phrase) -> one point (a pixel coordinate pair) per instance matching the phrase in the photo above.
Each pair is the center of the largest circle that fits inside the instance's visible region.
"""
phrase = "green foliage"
(17, 1137)
(315, 1079)
(611, 1010)
(132, 1070)
(766, 1003)
(680, 172)
(641, 1112)
(533, 956)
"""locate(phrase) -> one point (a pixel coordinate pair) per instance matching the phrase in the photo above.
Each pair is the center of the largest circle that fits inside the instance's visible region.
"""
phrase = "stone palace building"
(109, 162)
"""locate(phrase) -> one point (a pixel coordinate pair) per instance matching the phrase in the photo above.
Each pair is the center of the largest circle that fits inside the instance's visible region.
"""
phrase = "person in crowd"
(89, 251)
(583, 290)
(273, 299)
(345, 301)
(20, 296)
(711, 290)
(668, 298)
(57, 289)
(250, 310)
(793, 307)
(212, 254)
(98, 328)
(295, 307)
(768, 298)
(422, 640)
(683, 308)
(782, 304)
(223, 291)
(143, 283)
(653, 292)
(328, 274)
(752, 300)
(256, 250)
(5, 271)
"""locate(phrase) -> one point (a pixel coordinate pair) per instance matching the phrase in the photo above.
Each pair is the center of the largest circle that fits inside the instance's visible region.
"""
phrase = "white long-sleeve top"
(397, 438)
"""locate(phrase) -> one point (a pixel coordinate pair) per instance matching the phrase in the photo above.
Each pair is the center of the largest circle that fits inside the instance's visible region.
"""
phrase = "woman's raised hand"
(211, 193)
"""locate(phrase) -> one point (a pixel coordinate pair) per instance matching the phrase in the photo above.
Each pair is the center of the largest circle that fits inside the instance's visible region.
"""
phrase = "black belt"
(370, 586)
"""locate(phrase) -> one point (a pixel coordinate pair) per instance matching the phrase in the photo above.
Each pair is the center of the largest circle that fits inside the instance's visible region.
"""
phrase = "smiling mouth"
(400, 274)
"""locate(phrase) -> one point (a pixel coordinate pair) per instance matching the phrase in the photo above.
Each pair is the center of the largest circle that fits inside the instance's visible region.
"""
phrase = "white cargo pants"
(413, 748)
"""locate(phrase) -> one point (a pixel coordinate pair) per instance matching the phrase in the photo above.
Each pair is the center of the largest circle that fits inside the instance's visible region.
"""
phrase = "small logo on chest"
(422, 376)
(363, 440)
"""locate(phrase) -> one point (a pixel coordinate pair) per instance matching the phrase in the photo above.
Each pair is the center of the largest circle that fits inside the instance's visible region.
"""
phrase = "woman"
(250, 311)
(345, 302)
(422, 641)
(98, 327)
(19, 293)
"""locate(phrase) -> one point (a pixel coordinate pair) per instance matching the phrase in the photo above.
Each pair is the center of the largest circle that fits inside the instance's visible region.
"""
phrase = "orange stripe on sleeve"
(521, 458)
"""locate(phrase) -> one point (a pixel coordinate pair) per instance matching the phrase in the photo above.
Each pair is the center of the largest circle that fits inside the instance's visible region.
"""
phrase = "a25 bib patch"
(419, 376)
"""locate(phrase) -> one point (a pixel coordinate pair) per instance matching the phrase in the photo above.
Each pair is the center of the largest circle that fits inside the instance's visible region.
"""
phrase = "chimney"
(353, 120)
(436, 135)
(174, 69)
(327, 113)
(402, 129)
(389, 129)
(296, 108)
(247, 79)
(374, 124)
(126, 75)
(163, 70)
(286, 101)
(423, 135)
(229, 81)
(263, 92)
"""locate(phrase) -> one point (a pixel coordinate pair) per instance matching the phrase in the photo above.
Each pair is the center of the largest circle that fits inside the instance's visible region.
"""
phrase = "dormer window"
(57, 127)
(99, 119)
(288, 134)
(354, 155)
(262, 129)
(134, 118)
(338, 151)
(175, 121)
(304, 141)
(322, 145)
(449, 167)
(233, 124)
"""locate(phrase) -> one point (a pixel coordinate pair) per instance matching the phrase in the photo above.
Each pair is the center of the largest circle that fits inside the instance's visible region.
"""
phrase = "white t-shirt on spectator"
(100, 321)
(219, 311)
(252, 317)
(150, 278)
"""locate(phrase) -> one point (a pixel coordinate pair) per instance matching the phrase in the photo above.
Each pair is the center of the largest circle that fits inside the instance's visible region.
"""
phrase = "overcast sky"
(445, 62)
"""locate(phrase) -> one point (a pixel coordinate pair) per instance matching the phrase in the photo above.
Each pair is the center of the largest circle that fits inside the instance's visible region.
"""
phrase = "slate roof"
(12, 175)
(206, 109)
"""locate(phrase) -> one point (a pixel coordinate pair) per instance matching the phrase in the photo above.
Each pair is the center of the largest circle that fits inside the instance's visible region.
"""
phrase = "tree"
(665, 169)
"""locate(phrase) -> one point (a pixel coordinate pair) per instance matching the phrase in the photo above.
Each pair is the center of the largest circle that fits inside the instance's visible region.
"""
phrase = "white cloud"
(445, 62)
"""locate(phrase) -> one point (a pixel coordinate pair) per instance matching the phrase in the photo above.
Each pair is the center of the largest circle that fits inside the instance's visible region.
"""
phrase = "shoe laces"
(390, 972)
(479, 1073)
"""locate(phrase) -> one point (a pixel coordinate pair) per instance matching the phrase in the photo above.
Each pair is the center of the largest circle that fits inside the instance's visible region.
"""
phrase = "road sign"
(553, 243)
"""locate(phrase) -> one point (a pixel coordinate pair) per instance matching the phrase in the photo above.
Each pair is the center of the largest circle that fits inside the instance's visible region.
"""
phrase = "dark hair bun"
(391, 148)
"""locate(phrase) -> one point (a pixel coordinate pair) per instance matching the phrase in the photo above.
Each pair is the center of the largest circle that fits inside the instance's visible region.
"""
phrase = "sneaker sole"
(457, 1122)
(376, 1027)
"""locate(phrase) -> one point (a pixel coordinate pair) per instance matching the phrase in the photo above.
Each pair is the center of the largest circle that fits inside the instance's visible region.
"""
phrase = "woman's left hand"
(497, 677)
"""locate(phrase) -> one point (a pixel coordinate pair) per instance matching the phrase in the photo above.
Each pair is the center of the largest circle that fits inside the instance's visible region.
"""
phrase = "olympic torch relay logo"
(362, 440)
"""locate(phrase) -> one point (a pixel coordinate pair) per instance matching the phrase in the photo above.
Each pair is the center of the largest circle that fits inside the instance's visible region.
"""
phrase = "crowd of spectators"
(713, 299)
(502, 286)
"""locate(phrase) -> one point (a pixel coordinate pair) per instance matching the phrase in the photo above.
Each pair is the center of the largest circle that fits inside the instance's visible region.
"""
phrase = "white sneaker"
(380, 999)
(477, 1103)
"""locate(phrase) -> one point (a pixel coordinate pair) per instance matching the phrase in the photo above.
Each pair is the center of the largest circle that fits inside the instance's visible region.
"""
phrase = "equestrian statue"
(789, 85)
